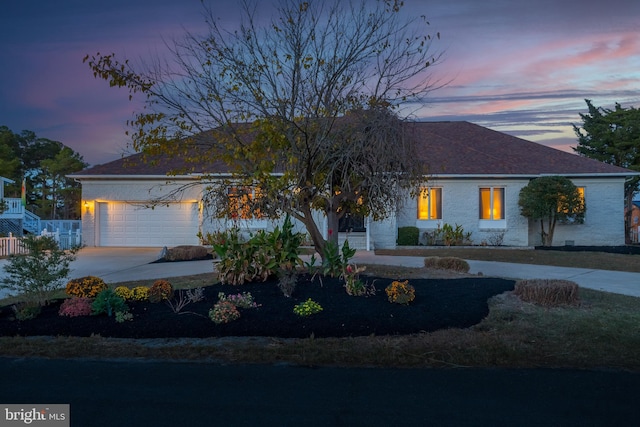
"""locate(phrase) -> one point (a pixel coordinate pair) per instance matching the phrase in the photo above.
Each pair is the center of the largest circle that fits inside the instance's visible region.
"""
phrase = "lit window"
(565, 209)
(492, 203)
(430, 203)
(242, 203)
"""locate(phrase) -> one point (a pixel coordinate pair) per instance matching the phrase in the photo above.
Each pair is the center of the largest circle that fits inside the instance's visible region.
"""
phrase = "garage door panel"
(128, 224)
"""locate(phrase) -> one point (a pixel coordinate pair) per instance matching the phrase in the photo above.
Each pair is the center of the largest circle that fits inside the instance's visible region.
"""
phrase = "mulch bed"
(439, 304)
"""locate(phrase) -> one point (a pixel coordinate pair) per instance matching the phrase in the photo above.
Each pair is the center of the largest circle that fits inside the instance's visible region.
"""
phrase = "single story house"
(475, 177)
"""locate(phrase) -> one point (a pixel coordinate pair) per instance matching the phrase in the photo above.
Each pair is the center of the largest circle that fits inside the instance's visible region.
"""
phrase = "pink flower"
(349, 269)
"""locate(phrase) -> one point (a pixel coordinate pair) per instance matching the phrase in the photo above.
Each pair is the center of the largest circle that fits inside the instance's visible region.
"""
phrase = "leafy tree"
(61, 195)
(44, 164)
(612, 136)
(551, 199)
(305, 107)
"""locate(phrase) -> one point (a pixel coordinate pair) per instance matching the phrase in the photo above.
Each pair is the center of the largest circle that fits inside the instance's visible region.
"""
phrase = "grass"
(602, 331)
(593, 260)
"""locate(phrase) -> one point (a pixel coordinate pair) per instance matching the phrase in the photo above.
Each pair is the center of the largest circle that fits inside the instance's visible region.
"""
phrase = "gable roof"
(459, 149)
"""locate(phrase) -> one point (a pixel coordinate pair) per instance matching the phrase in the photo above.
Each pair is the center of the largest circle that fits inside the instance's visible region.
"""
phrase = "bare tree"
(305, 107)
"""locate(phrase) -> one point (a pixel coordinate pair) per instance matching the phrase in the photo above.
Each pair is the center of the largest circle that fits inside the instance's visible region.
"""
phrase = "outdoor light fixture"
(86, 206)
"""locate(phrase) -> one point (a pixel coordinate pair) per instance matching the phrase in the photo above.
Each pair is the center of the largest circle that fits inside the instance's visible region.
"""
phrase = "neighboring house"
(476, 175)
(16, 219)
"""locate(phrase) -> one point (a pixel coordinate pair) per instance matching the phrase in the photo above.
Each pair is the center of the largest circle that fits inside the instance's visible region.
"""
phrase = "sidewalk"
(602, 280)
(123, 264)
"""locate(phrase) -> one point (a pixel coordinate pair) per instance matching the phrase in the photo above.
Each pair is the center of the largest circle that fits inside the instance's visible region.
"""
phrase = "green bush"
(259, 257)
(108, 302)
(408, 236)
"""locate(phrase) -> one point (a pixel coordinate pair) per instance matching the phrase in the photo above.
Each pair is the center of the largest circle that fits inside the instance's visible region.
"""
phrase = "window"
(430, 203)
(492, 203)
(242, 203)
(571, 219)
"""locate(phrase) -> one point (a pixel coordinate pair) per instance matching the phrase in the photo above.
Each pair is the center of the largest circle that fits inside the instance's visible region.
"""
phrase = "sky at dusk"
(516, 66)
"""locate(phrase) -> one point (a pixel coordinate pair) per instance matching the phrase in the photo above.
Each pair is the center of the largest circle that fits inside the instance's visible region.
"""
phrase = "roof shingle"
(448, 148)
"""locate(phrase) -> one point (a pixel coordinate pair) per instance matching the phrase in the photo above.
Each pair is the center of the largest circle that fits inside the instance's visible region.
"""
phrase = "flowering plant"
(160, 290)
(353, 284)
(75, 306)
(140, 293)
(242, 300)
(400, 292)
(124, 292)
(85, 287)
(307, 308)
(224, 312)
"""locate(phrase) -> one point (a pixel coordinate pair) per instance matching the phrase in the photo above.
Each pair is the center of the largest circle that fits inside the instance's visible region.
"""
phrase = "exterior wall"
(604, 219)
(460, 204)
(96, 191)
(384, 234)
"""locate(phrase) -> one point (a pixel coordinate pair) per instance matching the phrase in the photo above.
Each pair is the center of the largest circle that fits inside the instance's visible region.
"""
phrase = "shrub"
(547, 292)
(307, 308)
(400, 292)
(85, 287)
(124, 292)
(224, 312)
(75, 306)
(447, 235)
(186, 253)
(244, 261)
(123, 316)
(27, 310)
(408, 236)
(352, 283)
(447, 263)
(140, 293)
(185, 298)
(257, 258)
(109, 303)
(160, 290)
(40, 272)
(335, 260)
(287, 279)
(243, 300)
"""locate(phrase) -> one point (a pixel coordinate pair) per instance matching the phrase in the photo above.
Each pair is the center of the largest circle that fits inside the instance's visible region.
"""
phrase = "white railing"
(14, 245)
(65, 240)
(14, 209)
(62, 225)
(11, 246)
(633, 235)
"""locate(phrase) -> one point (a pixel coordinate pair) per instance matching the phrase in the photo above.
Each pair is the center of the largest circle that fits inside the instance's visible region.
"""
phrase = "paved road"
(151, 393)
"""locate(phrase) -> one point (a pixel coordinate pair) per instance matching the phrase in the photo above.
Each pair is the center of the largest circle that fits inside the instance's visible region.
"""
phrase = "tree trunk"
(333, 225)
(312, 228)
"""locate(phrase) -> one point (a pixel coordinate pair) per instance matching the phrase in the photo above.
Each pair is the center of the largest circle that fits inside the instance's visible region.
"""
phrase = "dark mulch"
(439, 304)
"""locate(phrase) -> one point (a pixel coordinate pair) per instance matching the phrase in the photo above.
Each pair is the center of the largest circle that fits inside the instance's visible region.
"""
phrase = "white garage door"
(129, 224)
